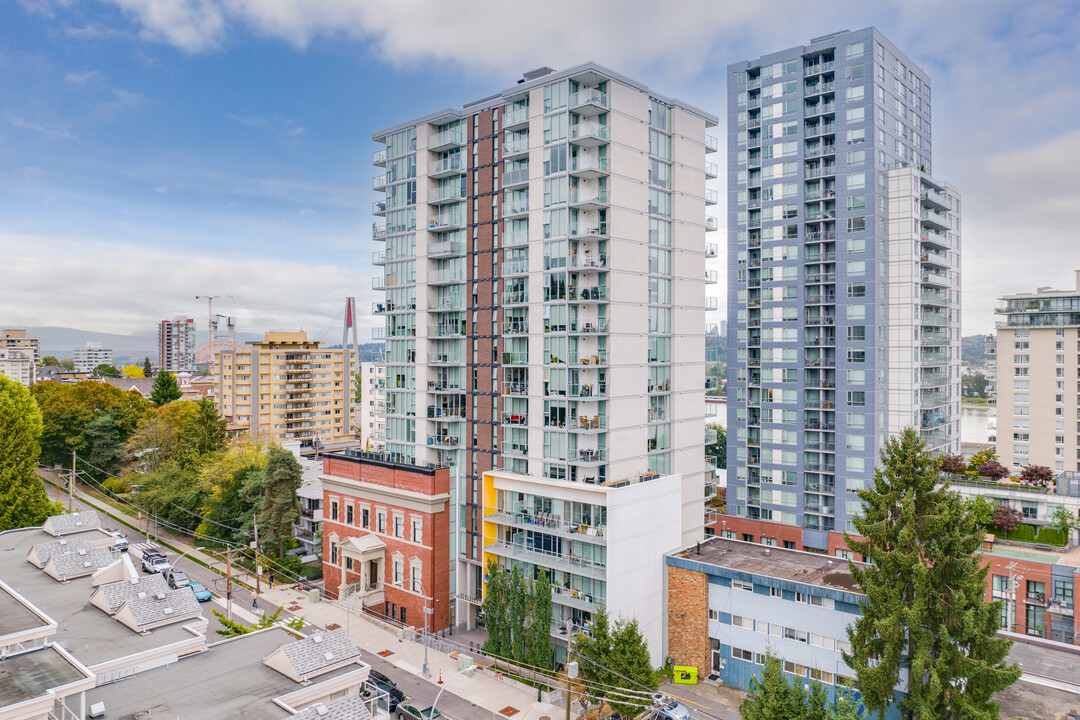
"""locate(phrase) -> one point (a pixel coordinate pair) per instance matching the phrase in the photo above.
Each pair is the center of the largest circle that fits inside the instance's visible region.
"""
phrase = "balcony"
(589, 458)
(515, 116)
(445, 412)
(446, 194)
(378, 232)
(445, 304)
(933, 399)
(444, 386)
(588, 166)
(588, 390)
(935, 297)
(446, 330)
(591, 327)
(518, 237)
(930, 257)
(818, 68)
(582, 230)
(711, 224)
(515, 267)
(932, 359)
(446, 140)
(935, 199)
(515, 145)
(933, 217)
(936, 279)
(585, 425)
(819, 172)
(712, 250)
(516, 297)
(513, 178)
(378, 182)
(445, 249)
(712, 197)
(819, 88)
(711, 144)
(515, 358)
(519, 389)
(378, 208)
(452, 165)
(543, 558)
(379, 158)
(712, 171)
(446, 276)
(935, 237)
(515, 327)
(820, 149)
(445, 222)
(378, 283)
(819, 108)
(378, 257)
(712, 303)
(444, 359)
(515, 208)
(1060, 606)
(586, 261)
(588, 199)
(818, 129)
(589, 134)
(711, 277)
(444, 441)
(596, 294)
(588, 103)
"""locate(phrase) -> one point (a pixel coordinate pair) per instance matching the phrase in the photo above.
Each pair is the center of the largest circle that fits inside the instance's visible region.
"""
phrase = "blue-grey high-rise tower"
(843, 282)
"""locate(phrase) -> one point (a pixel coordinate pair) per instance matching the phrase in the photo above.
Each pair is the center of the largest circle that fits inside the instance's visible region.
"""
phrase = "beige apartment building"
(1038, 395)
(19, 356)
(286, 388)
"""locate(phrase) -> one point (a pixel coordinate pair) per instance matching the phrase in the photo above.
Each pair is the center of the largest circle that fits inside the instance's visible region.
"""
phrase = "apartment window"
(855, 50)
(399, 526)
(856, 398)
(333, 553)
(740, 585)
(333, 510)
(365, 517)
(398, 572)
(417, 531)
(380, 520)
(348, 514)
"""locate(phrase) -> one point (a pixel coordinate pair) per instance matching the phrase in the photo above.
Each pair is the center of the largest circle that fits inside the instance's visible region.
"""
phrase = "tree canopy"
(923, 610)
(775, 696)
(106, 370)
(616, 656)
(68, 409)
(132, 371)
(273, 493)
(165, 390)
(517, 615)
(23, 501)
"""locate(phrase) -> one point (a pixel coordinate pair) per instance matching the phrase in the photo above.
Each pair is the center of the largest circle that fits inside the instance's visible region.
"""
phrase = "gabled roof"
(158, 608)
(115, 594)
(314, 655)
(350, 707)
(58, 525)
(78, 562)
(40, 553)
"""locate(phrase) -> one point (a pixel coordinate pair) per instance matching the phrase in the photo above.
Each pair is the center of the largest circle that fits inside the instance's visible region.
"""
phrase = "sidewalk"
(482, 688)
(708, 699)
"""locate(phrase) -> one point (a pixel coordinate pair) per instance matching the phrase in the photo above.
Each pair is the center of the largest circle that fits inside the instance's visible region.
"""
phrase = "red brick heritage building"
(386, 537)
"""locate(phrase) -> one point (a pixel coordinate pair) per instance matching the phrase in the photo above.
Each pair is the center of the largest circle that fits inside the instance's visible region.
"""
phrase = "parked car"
(155, 562)
(668, 709)
(412, 712)
(201, 593)
(176, 578)
(120, 541)
(388, 686)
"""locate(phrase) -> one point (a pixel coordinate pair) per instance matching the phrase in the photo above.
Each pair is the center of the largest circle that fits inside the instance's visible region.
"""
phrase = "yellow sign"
(685, 675)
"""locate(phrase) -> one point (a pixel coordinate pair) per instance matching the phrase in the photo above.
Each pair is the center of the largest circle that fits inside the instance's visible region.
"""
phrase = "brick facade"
(688, 618)
(407, 508)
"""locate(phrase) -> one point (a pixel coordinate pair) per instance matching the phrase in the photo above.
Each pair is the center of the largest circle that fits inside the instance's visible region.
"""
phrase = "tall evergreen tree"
(205, 432)
(165, 389)
(630, 659)
(494, 610)
(595, 648)
(23, 502)
(277, 506)
(102, 436)
(772, 696)
(147, 370)
(923, 610)
(540, 623)
(517, 610)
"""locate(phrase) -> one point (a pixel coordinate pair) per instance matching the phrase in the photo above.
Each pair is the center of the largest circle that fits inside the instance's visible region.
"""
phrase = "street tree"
(538, 638)
(165, 390)
(616, 655)
(23, 502)
(923, 610)
(106, 448)
(494, 611)
(276, 504)
(106, 370)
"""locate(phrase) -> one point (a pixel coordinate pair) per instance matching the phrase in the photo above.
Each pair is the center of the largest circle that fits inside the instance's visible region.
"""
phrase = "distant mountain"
(61, 342)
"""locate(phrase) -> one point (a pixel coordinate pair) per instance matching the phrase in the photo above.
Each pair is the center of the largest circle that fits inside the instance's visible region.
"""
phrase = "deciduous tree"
(923, 610)
(718, 449)
(1037, 474)
(50, 361)
(993, 469)
(1007, 518)
(953, 465)
(132, 371)
(67, 409)
(106, 370)
(277, 506)
(23, 502)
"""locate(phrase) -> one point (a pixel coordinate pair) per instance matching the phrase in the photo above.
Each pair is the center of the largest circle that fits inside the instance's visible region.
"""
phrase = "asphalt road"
(417, 689)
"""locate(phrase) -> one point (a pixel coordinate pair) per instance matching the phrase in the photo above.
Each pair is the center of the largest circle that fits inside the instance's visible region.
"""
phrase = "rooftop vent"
(316, 639)
(63, 542)
(321, 710)
(161, 596)
(134, 581)
(537, 73)
(142, 596)
(168, 611)
(78, 523)
(328, 655)
(88, 564)
(829, 563)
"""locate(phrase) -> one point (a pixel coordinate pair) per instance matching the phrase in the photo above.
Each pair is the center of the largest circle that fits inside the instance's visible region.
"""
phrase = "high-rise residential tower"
(843, 282)
(176, 345)
(545, 303)
(91, 355)
(1038, 407)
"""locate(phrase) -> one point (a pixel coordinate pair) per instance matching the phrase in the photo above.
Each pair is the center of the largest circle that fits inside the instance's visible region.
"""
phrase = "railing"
(443, 277)
(378, 232)
(588, 97)
(582, 131)
(821, 129)
(438, 411)
(517, 207)
(588, 390)
(446, 192)
(514, 144)
(711, 224)
(712, 197)
(596, 293)
(588, 196)
(817, 68)
(436, 358)
(586, 230)
(453, 163)
(515, 297)
(515, 267)
(440, 304)
(515, 115)
(711, 144)
(515, 177)
(378, 182)
(712, 170)
(445, 222)
(515, 327)
(379, 157)
(378, 207)
(455, 136)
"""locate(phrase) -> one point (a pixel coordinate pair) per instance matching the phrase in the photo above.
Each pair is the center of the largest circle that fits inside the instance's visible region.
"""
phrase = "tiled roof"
(179, 603)
(350, 707)
(81, 562)
(43, 551)
(320, 652)
(76, 521)
(117, 593)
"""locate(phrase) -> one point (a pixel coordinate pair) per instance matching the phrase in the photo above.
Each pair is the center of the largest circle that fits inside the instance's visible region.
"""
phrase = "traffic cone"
(440, 676)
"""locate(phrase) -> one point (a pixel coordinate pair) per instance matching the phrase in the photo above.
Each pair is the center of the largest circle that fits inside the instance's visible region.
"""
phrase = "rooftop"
(319, 653)
(350, 707)
(72, 522)
(116, 594)
(227, 682)
(33, 673)
(90, 635)
(15, 616)
(76, 563)
(780, 563)
(1046, 292)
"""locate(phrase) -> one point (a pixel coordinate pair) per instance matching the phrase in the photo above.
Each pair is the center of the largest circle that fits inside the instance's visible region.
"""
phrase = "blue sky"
(154, 150)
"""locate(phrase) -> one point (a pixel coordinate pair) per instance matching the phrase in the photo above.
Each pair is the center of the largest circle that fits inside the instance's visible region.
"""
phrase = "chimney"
(699, 548)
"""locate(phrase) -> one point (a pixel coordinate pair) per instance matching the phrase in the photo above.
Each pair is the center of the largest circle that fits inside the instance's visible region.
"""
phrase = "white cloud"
(161, 189)
(112, 287)
(83, 77)
(253, 121)
(22, 124)
(192, 25)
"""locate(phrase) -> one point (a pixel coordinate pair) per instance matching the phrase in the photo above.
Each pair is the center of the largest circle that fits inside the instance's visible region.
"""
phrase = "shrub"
(117, 486)
(1051, 536)
(1024, 533)
(993, 469)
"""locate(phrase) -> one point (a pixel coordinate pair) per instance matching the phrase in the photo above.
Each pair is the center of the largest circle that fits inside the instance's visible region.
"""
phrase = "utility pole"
(228, 581)
(258, 584)
(155, 522)
(71, 480)
(571, 670)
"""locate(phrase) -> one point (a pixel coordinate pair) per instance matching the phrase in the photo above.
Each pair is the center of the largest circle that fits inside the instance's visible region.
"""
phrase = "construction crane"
(211, 323)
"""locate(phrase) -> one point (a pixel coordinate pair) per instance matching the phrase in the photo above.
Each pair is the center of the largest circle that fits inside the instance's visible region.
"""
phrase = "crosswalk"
(143, 546)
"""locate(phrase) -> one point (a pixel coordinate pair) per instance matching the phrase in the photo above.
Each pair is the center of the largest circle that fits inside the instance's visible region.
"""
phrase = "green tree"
(228, 505)
(358, 394)
(517, 610)
(165, 390)
(981, 458)
(982, 510)
(494, 611)
(23, 502)
(106, 448)
(539, 639)
(174, 491)
(50, 361)
(772, 696)
(923, 609)
(630, 658)
(148, 371)
(277, 506)
(1063, 521)
(594, 647)
(68, 364)
(67, 409)
(718, 449)
(974, 385)
(106, 370)
(205, 432)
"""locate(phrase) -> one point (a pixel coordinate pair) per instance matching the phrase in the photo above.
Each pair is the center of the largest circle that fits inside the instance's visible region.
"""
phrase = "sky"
(152, 151)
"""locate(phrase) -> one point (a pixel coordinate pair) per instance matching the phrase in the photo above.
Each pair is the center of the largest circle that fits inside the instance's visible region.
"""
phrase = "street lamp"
(468, 669)
(427, 611)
